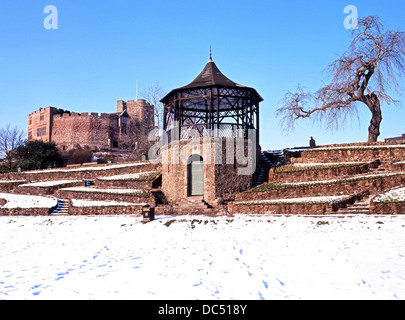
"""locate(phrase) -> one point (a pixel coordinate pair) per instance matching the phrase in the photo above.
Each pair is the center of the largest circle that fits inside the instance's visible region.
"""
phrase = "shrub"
(36, 155)
(80, 156)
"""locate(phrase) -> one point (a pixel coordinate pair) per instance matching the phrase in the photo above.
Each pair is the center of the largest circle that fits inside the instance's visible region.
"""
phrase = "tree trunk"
(374, 105)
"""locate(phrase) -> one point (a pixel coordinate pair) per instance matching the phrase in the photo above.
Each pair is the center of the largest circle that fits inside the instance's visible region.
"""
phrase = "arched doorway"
(195, 175)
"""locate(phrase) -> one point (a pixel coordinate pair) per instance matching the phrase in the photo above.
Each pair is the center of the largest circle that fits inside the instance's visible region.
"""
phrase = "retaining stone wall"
(42, 191)
(25, 212)
(350, 155)
(65, 194)
(348, 188)
(107, 210)
(317, 175)
(10, 187)
(86, 174)
(302, 209)
(387, 208)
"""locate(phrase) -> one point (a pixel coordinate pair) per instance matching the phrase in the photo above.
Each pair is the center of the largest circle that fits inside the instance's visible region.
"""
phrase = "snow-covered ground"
(130, 176)
(196, 257)
(27, 201)
(394, 195)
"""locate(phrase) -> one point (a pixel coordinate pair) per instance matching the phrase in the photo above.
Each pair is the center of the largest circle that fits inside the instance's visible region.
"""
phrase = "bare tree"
(153, 95)
(10, 139)
(365, 75)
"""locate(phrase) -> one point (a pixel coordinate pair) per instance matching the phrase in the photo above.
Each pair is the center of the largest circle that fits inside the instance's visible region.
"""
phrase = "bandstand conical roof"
(211, 76)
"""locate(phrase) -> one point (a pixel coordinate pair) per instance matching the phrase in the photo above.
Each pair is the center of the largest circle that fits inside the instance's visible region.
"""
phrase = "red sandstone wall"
(317, 175)
(348, 188)
(41, 119)
(70, 130)
(351, 155)
(43, 191)
(108, 210)
(25, 212)
(387, 208)
(65, 194)
(302, 209)
(221, 181)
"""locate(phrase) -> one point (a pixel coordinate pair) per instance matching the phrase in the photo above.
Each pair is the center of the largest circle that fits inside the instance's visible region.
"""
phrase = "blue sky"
(102, 47)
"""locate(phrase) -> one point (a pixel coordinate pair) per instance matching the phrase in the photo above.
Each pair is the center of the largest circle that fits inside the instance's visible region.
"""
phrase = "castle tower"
(40, 124)
(140, 112)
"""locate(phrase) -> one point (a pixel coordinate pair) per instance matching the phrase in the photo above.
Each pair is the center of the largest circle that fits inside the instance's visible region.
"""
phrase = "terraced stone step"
(352, 185)
(140, 180)
(303, 206)
(111, 194)
(390, 153)
(306, 172)
(193, 205)
(62, 208)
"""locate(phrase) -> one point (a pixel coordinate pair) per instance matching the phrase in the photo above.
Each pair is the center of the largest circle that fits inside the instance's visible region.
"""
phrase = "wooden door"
(196, 177)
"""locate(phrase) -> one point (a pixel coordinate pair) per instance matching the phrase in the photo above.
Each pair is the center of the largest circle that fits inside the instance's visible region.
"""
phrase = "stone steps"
(193, 205)
(62, 208)
(159, 196)
(360, 207)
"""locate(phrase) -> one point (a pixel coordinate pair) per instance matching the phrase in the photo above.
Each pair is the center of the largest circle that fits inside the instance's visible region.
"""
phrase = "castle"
(209, 161)
(126, 128)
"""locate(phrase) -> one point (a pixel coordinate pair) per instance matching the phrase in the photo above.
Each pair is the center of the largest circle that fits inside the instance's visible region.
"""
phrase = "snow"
(26, 201)
(395, 195)
(99, 168)
(48, 183)
(99, 190)
(325, 199)
(95, 203)
(305, 165)
(197, 257)
(131, 176)
(12, 181)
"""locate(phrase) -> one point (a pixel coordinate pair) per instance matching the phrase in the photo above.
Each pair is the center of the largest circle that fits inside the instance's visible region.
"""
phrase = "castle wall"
(91, 130)
(87, 130)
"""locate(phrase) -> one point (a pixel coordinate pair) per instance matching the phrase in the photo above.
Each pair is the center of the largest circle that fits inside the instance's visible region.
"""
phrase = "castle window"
(29, 135)
(41, 118)
(41, 132)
